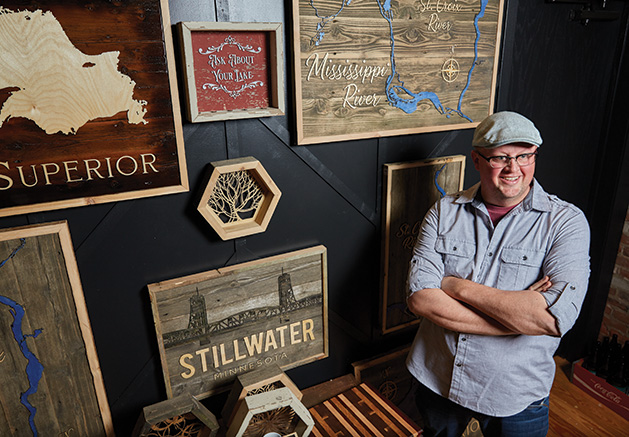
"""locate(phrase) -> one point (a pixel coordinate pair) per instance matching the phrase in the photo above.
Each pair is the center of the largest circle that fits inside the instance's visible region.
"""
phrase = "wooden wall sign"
(410, 189)
(367, 68)
(215, 325)
(51, 379)
(89, 108)
(232, 70)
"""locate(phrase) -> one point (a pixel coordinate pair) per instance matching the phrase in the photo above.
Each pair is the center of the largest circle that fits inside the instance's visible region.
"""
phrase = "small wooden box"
(361, 411)
(253, 381)
(171, 414)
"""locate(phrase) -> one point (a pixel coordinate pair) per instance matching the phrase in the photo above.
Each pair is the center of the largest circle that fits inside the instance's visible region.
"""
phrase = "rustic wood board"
(410, 189)
(215, 325)
(361, 411)
(232, 70)
(370, 68)
(183, 415)
(55, 365)
(91, 114)
(387, 374)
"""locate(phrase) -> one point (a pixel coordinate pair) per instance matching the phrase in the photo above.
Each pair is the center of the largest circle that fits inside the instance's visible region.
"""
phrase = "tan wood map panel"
(42, 278)
(89, 106)
(215, 325)
(369, 68)
(411, 188)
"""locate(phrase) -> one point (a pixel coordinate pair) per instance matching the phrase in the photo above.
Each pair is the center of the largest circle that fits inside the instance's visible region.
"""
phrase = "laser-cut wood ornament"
(239, 199)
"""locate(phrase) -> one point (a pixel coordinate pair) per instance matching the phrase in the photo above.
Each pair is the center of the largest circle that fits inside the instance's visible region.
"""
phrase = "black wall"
(562, 74)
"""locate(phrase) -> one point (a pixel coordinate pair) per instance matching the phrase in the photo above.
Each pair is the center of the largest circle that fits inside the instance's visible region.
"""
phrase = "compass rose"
(450, 69)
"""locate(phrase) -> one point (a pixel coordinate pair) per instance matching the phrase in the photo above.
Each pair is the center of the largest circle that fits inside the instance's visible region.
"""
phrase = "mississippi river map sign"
(372, 68)
(89, 111)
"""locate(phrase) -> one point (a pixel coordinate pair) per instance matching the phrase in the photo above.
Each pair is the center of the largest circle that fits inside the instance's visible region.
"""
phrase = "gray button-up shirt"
(498, 375)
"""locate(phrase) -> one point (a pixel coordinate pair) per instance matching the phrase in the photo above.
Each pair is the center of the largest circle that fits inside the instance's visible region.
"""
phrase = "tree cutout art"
(236, 197)
(239, 199)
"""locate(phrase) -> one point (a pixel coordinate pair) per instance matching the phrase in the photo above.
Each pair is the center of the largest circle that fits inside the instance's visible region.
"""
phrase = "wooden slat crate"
(359, 412)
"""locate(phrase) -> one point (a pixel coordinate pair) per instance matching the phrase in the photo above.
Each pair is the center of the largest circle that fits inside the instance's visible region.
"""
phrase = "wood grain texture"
(410, 189)
(574, 413)
(361, 411)
(42, 277)
(215, 325)
(66, 87)
(366, 71)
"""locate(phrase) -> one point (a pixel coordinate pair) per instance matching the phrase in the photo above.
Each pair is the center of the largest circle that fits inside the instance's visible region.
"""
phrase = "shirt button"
(490, 254)
(525, 257)
(454, 248)
(459, 364)
(464, 339)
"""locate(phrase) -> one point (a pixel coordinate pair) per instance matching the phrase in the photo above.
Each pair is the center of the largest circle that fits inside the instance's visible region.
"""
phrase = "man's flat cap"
(503, 128)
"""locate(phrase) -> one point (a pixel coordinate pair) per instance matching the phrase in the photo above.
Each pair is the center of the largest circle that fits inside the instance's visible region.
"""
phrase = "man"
(499, 274)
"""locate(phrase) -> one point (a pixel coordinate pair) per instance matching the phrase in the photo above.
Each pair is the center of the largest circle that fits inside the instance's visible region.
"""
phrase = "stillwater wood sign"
(89, 108)
(215, 325)
(371, 68)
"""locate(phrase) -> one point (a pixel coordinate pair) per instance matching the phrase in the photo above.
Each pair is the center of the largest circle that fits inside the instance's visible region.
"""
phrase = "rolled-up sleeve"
(567, 264)
(426, 265)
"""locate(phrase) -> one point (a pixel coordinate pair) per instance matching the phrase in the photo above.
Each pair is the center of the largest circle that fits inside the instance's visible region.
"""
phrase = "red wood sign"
(230, 70)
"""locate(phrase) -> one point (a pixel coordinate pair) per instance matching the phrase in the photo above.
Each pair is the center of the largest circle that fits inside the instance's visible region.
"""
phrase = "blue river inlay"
(34, 369)
(406, 104)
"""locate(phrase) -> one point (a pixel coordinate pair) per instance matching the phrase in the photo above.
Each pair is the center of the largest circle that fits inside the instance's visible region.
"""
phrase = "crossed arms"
(461, 305)
(465, 306)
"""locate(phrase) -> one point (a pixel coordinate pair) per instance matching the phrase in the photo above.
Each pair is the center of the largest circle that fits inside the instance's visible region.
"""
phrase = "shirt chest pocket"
(457, 256)
(519, 268)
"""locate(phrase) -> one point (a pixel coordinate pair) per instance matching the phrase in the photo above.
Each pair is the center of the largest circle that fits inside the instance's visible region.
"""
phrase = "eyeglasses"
(502, 161)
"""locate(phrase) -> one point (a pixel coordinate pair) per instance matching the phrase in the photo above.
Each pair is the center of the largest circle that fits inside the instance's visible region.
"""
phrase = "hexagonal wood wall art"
(254, 382)
(272, 411)
(239, 199)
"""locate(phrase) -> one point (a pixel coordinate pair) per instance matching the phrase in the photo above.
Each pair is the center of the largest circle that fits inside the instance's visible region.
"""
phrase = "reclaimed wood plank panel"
(410, 189)
(369, 69)
(215, 325)
(53, 380)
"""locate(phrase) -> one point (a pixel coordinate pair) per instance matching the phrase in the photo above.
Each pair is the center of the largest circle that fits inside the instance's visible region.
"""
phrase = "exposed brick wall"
(616, 318)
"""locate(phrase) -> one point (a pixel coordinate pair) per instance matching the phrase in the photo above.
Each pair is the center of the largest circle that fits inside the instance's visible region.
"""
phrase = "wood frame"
(270, 311)
(260, 214)
(410, 189)
(387, 373)
(112, 156)
(269, 401)
(252, 381)
(42, 276)
(166, 410)
(365, 69)
(274, 67)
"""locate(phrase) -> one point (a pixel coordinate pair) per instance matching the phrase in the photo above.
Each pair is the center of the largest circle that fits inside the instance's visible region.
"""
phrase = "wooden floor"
(574, 413)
